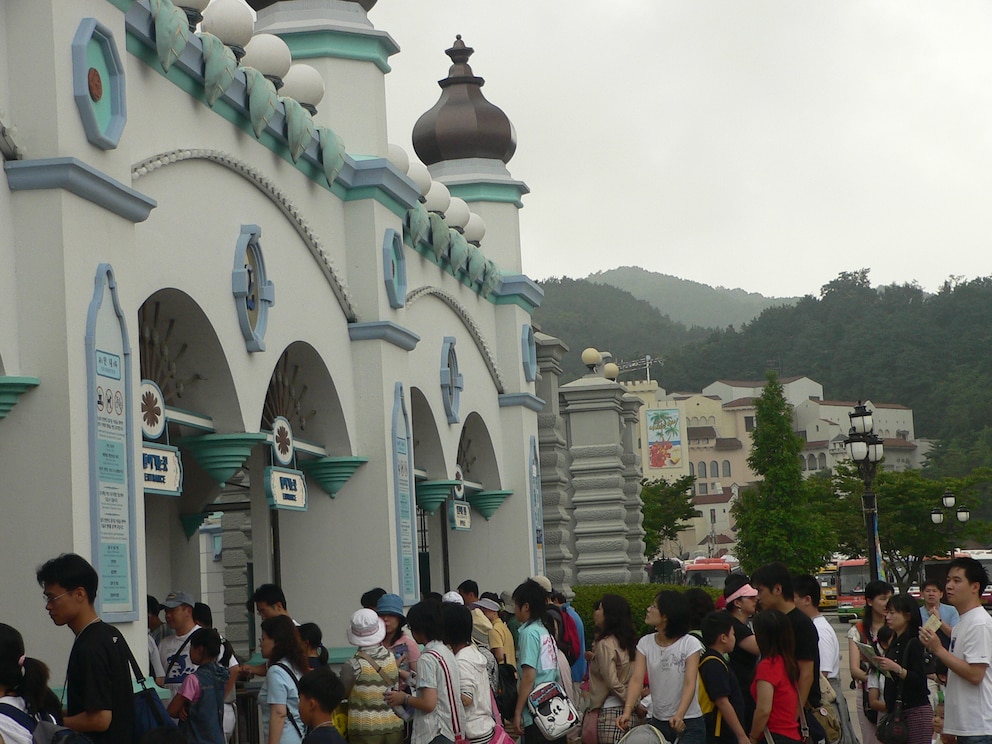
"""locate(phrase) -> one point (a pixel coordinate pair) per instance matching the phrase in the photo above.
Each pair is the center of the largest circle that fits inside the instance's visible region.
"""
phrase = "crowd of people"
(462, 667)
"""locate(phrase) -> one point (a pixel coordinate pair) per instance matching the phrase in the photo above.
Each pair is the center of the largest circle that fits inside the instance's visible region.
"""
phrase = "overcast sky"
(766, 144)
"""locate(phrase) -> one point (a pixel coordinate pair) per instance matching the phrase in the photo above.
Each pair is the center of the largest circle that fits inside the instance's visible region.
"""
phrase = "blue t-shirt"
(581, 665)
(280, 689)
(536, 649)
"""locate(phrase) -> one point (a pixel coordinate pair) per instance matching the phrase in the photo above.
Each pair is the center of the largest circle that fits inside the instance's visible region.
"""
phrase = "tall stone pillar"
(593, 407)
(558, 556)
(632, 489)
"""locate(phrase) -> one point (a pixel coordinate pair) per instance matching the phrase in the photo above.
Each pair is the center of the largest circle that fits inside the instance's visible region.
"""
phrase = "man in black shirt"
(99, 698)
(774, 585)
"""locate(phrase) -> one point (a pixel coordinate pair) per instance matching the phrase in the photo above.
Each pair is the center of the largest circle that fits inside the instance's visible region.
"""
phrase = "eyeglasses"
(53, 600)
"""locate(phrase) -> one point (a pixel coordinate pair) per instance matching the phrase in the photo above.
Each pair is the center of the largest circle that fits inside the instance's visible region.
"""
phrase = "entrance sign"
(111, 451)
(408, 565)
(161, 469)
(459, 515)
(286, 489)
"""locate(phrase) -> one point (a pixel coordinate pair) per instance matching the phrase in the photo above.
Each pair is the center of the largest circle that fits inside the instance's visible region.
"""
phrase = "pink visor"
(745, 591)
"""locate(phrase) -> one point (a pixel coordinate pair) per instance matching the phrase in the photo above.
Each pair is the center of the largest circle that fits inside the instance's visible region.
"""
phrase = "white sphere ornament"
(457, 214)
(475, 229)
(611, 371)
(230, 21)
(268, 54)
(419, 174)
(591, 357)
(438, 197)
(199, 5)
(303, 83)
(398, 157)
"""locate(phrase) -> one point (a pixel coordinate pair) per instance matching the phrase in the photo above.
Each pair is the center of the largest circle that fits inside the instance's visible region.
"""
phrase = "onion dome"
(463, 124)
(259, 4)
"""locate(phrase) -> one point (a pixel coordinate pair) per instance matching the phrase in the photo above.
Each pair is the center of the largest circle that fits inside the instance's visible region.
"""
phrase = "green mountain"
(688, 302)
(894, 344)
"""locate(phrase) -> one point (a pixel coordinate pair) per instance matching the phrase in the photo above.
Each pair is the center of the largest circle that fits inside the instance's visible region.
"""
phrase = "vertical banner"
(408, 566)
(536, 506)
(111, 451)
(664, 438)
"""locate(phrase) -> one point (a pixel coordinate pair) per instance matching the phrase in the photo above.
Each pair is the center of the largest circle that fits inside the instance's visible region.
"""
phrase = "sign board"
(111, 451)
(286, 489)
(162, 469)
(459, 515)
(406, 527)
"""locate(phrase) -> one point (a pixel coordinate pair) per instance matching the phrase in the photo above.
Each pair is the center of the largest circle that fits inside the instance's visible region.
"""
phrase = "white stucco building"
(203, 278)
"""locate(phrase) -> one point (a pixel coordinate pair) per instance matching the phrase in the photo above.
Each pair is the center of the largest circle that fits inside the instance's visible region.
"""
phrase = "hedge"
(639, 596)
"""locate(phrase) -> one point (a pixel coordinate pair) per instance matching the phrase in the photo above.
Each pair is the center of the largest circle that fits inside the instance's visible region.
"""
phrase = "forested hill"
(893, 344)
(689, 302)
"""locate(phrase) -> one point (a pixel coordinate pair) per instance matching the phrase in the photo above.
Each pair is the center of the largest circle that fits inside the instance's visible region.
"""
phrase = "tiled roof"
(818, 444)
(721, 539)
(700, 432)
(740, 403)
(903, 444)
(841, 403)
(713, 498)
(728, 443)
(898, 406)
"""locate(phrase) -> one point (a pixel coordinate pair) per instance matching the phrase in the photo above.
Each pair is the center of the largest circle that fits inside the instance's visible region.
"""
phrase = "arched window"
(726, 469)
(701, 470)
(692, 469)
(712, 420)
(714, 469)
(802, 463)
(823, 461)
(811, 462)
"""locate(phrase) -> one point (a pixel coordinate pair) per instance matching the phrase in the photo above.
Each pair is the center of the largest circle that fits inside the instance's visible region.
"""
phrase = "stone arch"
(428, 452)
(476, 453)
(276, 195)
(302, 390)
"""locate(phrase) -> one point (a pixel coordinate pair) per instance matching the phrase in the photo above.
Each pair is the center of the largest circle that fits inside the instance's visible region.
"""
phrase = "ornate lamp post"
(865, 450)
(937, 515)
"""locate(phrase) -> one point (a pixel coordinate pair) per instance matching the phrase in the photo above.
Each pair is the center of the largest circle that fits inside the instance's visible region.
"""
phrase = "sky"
(767, 144)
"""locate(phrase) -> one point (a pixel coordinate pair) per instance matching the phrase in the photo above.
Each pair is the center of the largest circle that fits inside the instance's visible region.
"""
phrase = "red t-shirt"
(784, 718)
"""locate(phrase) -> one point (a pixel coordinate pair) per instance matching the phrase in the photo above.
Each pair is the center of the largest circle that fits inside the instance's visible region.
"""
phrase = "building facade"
(224, 299)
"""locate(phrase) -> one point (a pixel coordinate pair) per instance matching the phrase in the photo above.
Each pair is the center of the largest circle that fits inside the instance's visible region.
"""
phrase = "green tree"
(904, 500)
(667, 510)
(774, 518)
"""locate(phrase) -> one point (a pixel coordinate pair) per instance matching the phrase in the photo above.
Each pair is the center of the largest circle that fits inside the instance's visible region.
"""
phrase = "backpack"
(506, 691)
(706, 704)
(43, 730)
(570, 638)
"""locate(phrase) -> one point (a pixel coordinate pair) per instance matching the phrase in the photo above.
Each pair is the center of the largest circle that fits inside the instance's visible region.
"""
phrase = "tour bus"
(711, 572)
(827, 578)
(852, 575)
(935, 568)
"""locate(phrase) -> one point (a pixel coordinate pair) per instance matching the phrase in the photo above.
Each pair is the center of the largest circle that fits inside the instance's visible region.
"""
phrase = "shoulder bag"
(404, 712)
(891, 727)
(553, 712)
(289, 713)
(149, 711)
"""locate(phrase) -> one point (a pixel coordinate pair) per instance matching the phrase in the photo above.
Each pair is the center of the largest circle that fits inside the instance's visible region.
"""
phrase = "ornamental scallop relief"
(152, 410)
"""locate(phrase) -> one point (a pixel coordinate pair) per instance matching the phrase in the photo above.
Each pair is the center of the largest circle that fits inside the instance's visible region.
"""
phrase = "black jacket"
(914, 692)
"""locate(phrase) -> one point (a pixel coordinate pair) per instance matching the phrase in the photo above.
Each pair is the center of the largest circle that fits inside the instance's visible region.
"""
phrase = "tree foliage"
(774, 521)
(667, 510)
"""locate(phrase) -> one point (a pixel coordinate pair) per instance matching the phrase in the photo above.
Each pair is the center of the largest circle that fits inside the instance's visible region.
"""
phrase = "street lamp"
(937, 515)
(865, 449)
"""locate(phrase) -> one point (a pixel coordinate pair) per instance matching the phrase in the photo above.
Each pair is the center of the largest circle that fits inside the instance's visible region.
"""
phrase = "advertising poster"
(664, 438)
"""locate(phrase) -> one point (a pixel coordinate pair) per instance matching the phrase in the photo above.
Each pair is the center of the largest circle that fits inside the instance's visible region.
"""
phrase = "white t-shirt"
(154, 659)
(11, 731)
(829, 648)
(666, 672)
(177, 672)
(968, 707)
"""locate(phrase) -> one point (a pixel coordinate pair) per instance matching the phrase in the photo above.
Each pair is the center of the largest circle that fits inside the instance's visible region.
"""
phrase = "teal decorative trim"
(384, 330)
(360, 46)
(191, 523)
(80, 179)
(124, 5)
(222, 454)
(528, 350)
(332, 472)
(394, 268)
(527, 400)
(172, 32)
(431, 494)
(452, 382)
(505, 193)
(517, 289)
(362, 174)
(487, 502)
(102, 104)
(254, 292)
(11, 389)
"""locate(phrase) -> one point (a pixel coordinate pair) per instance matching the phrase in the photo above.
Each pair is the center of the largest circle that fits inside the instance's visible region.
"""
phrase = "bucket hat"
(391, 604)
(366, 629)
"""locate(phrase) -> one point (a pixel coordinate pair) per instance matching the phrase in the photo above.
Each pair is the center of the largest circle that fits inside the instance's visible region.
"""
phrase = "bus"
(852, 576)
(827, 578)
(935, 569)
(711, 572)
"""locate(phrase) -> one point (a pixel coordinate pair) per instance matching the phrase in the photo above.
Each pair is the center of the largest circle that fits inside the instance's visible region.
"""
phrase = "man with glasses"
(98, 678)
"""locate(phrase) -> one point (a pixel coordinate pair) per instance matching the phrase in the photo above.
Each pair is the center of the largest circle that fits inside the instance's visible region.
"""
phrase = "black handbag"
(891, 728)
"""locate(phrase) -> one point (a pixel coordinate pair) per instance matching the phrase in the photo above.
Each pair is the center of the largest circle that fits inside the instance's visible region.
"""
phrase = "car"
(914, 591)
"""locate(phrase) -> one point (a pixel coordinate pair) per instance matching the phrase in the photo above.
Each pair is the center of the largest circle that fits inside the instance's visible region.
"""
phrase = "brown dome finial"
(463, 124)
